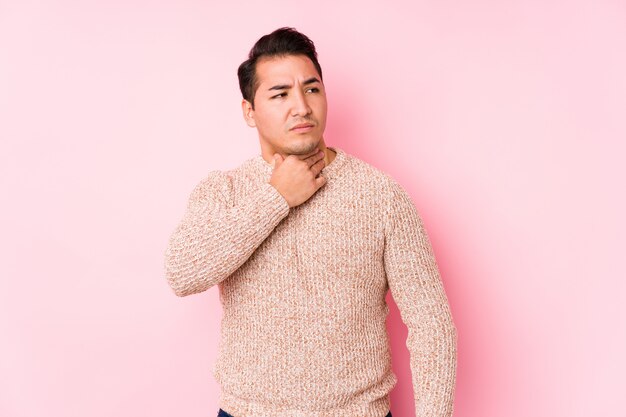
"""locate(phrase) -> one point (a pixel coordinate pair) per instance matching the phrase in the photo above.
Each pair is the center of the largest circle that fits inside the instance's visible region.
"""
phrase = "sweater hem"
(239, 407)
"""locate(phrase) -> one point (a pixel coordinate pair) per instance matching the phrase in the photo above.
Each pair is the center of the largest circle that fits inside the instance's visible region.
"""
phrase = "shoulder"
(384, 191)
(368, 173)
(215, 184)
(378, 180)
(398, 206)
(224, 183)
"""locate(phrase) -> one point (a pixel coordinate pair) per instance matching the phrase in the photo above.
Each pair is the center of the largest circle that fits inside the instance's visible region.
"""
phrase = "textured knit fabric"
(222, 413)
(303, 290)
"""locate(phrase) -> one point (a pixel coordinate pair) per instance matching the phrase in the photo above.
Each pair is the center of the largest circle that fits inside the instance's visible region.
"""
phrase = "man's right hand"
(296, 177)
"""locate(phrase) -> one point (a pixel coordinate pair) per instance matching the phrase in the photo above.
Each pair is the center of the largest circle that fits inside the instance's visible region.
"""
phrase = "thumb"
(277, 160)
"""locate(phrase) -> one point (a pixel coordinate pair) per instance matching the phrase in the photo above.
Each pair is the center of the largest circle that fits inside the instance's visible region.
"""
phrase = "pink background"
(505, 120)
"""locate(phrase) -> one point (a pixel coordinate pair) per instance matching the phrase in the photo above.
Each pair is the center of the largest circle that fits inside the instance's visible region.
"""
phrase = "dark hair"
(281, 42)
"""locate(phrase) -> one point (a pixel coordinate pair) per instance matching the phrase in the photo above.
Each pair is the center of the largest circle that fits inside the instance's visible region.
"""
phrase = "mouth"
(302, 127)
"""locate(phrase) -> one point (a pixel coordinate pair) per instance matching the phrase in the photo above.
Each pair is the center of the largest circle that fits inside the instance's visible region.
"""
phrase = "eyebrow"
(288, 86)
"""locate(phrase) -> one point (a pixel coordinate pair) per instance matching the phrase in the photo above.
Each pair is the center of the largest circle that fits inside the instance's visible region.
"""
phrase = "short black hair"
(281, 42)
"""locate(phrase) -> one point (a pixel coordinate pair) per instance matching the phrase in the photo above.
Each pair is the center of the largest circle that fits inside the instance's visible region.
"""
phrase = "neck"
(268, 154)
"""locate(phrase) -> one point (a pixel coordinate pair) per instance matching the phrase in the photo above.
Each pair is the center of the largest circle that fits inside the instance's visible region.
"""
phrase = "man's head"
(280, 43)
(282, 87)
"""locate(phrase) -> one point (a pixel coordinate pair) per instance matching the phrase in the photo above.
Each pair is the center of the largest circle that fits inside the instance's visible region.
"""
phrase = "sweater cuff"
(275, 199)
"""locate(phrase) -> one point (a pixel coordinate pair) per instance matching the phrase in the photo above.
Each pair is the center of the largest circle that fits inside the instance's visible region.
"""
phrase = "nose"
(300, 105)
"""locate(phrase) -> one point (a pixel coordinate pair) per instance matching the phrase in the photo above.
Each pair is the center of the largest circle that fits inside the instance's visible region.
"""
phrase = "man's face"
(290, 93)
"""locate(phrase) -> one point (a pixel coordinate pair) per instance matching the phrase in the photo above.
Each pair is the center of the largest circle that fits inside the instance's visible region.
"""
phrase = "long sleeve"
(217, 235)
(417, 289)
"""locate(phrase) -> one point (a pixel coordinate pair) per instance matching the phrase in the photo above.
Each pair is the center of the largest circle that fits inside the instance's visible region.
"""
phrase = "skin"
(290, 92)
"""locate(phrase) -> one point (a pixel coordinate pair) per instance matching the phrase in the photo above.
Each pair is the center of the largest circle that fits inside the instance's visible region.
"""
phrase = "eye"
(279, 95)
(314, 89)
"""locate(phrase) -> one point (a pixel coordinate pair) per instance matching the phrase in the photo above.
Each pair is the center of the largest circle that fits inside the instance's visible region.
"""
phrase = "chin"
(303, 147)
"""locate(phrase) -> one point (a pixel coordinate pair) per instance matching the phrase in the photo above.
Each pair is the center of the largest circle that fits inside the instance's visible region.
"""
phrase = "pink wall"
(504, 120)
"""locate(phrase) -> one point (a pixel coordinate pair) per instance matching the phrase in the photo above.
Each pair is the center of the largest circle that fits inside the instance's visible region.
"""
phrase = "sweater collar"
(329, 171)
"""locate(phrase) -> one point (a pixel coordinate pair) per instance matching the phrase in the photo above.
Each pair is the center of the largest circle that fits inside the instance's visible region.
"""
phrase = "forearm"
(210, 244)
(433, 341)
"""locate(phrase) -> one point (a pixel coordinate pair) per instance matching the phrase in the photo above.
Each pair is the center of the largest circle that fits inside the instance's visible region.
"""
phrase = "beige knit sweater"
(303, 291)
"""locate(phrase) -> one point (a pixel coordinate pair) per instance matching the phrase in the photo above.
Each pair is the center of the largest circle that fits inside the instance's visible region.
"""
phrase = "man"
(303, 242)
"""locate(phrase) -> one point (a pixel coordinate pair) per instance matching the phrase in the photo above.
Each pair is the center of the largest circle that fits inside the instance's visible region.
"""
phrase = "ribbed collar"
(329, 171)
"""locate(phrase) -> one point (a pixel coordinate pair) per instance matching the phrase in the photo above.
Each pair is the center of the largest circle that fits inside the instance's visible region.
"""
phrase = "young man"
(303, 242)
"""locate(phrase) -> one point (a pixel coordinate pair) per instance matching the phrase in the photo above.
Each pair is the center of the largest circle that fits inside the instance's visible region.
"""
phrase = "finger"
(313, 159)
(277, 160)
(311, 154)
(319, 182)
(317, 167)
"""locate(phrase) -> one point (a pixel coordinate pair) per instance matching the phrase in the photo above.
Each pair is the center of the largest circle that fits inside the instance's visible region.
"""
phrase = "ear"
(248, 113)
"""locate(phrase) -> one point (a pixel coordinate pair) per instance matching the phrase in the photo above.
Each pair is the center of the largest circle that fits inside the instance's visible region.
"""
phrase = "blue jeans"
(223, 413)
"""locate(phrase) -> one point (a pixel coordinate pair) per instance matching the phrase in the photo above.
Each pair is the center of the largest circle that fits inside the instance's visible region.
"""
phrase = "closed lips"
(302, 125)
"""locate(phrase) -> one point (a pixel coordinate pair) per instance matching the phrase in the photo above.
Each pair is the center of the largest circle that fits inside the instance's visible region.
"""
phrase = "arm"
(417, 289)
(216, 237)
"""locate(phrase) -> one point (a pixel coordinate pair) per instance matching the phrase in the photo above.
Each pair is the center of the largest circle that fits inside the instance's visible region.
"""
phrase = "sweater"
(303, 332)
